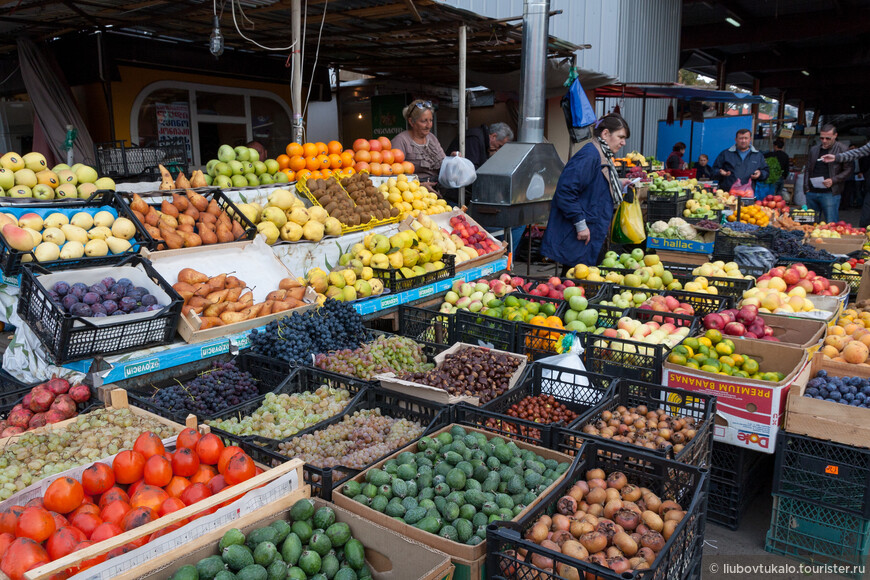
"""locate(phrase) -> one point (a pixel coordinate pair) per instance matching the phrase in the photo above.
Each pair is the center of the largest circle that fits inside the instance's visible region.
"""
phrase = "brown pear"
(168, 221)
(173, 240)
(208, 236)
(234, 293)
(238, 230)
(169, 209)
(152, 218)
(198, 201)
(213, 208)
(276, 295)
(180, 202)
(191, 276)
(181, 182)
(287, 283)
(224, 234)
(266, 308)
(247, 297)
(184, 290)
(207, 218)
(217, 296)
(218, 282)
(138, 216)
(296, 293)
(191, 240)
(184, 219)
(192, 212)
(210, 322)
(138, 204)
(198, 179)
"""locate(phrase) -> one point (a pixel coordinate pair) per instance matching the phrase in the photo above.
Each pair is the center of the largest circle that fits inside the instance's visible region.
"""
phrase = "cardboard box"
(390, 556)
(254, 262)
(828, 420)
(805, 333)
(682, 257)
(748, 412)
(682, 246)
(462, 554)
(838, 246)
(391, 382)
(864, 287)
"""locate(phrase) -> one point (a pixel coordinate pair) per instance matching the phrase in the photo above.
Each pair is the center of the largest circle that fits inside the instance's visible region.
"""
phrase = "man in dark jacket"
(483, 141)
(824, 182)
(740, 161)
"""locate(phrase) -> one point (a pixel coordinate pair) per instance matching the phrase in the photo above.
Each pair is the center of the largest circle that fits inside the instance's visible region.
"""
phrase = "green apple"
(248, 167)
(260, 168)
(221, 168)
(571, 316)
(226, 154)
(252, 179)
(572, 291)
(624, 258)
(651, 260)
(576, 326)
(240, 181)
(208, 179)
(7, 178)
(243, 153)
(272, 166)
(578, 303)
(224, 181)
(2, 192)
(667, 278)
(611, 254)
(281, 177)
(266, 179)
(610, 262)
(253, 154)
(637, 254)
(237, 167)
(209, 167)
(41, 191)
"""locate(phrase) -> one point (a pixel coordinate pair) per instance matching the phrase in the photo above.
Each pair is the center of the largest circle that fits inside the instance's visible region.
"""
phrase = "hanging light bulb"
(216, 40)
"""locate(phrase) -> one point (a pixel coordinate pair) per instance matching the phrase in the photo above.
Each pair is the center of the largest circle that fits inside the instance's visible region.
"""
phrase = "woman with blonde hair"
(418, 143)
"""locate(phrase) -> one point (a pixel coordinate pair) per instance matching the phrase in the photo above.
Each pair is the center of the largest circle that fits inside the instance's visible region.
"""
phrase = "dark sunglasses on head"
(423, 104)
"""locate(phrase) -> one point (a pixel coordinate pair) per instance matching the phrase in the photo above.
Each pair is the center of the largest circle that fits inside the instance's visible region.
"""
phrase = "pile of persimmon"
(141, 485)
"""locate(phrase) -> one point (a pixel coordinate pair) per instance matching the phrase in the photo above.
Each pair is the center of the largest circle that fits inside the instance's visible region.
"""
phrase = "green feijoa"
(370, 490)
(414, 515)
(282, 529)
(431, 454)
(489, 508)
(516, 510)
(302, 510)
(442, 489)
(351, 488)
(296, 573)
(319, 575)
(252, 572)
(505, 473)
(496, 517)
(377, 477)
(390, 466)
(406, 471)
(386, 490)
(346, 573)
(440, 478)
(506, 513)
(363, 499)
(303, 530)
(445, 438)
(502, 487)
(210, 567)
(424, 480)
(464, 529)
(467, 511)
(399, 488)
(474, 540)
(291, 549)
(459, 446)
(426, 493)
(409, 502)
(423, 462)
(434, 513)
(365, 572)
(535, 465)
(320, 543)
(233, 536)
(440, 502)
(471, 441)
(478, 455)
(405, 457)
(547, 482)
(411, 488)
(264, 534)
(429, 524)
(338, 533)
(329, 565)
(466, 468)
(481, 439)
(450, 512)
(504, 501)
(502, 453)
(551, 464)
(227, 575)
(480, 473)
(443, 468)
(466, 455)
(310, 562)
(427, 504)
(475, 498)
(515, 485)
(493, 463)
(425, 469)
(354, 554)
(323, 517)
(237, 557)
(472, 484)
(515, 451)
(277, 570)
(490, 483)
(516, 463)
(265, 553)
(449, 532)
(457, 431)
(424, 443)
(395, 509)
(532, 478)
(453, 458)
(529, 497)
(479, 519)
(188, 572)
(480, 531)
(457, 497)
(562, 468)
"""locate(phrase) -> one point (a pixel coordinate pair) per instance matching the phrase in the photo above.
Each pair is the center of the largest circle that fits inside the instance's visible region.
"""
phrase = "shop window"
(149, 117)
(270, 125)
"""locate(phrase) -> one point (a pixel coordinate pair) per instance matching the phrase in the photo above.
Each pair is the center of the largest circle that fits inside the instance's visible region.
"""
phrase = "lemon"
(402, 186)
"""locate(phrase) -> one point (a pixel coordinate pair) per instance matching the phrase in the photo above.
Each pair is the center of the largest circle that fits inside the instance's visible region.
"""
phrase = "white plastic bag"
(456, 172)
(567, 361)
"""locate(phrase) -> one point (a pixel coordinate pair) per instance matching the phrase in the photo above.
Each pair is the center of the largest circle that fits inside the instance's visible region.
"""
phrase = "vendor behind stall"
(418, 143)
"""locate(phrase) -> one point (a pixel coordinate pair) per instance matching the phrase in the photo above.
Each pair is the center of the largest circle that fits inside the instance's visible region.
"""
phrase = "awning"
(676, 92)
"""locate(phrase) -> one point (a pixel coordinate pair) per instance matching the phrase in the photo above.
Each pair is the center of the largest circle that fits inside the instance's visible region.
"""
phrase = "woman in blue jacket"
(586, 196)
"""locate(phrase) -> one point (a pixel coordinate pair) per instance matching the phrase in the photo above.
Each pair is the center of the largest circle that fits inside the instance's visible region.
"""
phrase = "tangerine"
(309, 150)
(294, 150)
(283, 161)
(297, 163)
(322, 149)
(334, 147)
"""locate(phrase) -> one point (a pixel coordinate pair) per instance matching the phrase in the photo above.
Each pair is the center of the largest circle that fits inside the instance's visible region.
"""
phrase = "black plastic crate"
(426, 325)
(729, 498)
(703, 304)
(818, 535)
(804, 216)
(676, 402)
(730, 287)
(302, 379)
(479, 329)
(540, 378)
(830, 474)
(118, 160)
(852, 278)
(820, 267)
(431, 415)
(10, 259)
(618, 357)
(395, 282)
(216, 194)
(144, 396)
(734, 465)
(723, 248)
(68, 338)
(717, 217)
(664, 210)
(608, 316)
(678, 320)
(685, 484)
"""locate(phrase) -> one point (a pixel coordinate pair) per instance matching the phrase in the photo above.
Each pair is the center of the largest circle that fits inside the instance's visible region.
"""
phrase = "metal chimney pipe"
(533, 71)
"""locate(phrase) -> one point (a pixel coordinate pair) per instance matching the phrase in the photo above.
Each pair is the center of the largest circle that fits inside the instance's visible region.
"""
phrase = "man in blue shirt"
(740, 161)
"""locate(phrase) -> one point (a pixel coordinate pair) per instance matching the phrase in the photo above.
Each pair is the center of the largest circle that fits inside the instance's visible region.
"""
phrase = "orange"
(297, 163)
(309, 150)
(554, 322)
(312, 163)
(291, 175)
(347, 159)
(334, 160)
(334, 147)
(294, 150)
(323, 158)
(316, 174)
(283, 161)
(303, 174)
(322, 149)
(326, 173)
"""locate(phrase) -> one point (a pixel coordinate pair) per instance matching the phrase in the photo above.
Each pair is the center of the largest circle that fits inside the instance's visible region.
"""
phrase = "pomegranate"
(54, 416)
(80, 393)
(26, 400)
(20, 418)
(58, 386)
(65, 404)
(41, 399)
(38, 420)
(3, 424)
(10, 431)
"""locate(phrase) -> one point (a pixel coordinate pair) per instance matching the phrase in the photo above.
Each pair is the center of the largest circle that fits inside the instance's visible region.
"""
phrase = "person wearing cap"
(418, 143)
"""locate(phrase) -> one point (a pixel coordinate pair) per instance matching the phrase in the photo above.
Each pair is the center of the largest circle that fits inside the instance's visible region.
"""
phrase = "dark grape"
(212, 391)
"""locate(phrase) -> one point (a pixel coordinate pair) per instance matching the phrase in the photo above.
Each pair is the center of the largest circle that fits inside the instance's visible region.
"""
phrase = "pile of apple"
(797, 276)
(473, 236)
(58, 237)
(744, 322)
(840, 227)
(719, 269)
(775, 202)
(824, 233)
(555, 287)
(626, 298)
(579, 317)
(29, 176)
(670, 304)
(463, 295)
(648, 271)
(241, 167)
(648, 333)
(584, 272)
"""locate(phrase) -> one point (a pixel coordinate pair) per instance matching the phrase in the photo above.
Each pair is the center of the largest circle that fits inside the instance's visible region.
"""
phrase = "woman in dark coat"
(586, 196)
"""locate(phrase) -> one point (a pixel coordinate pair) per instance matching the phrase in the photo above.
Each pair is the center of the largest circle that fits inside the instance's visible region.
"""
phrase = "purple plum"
(111, 296)
(100, 315)
(97, 289)
(127, 304)
(80, 309)
(141, 290)
(108, 282)
(78, 289)
(110, 306)
(140, 309)
(91, 298)
(118, 289)
(62, 288)
(69, 301)
(154, 307)
(149, 300)
(125, 282)
(118, 313)
(97, 309)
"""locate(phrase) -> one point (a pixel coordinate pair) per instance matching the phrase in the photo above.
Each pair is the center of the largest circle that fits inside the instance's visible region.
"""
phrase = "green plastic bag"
(627, 226)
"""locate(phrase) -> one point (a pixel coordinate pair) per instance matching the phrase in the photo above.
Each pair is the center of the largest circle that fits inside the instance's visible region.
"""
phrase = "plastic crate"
(734, 465)
(268, 369)
(223, 201)
(143, 397)
(729, 499)
(852, 278)
(540, 378)
(723, 248)
(676, 402)
(685, 484)
(394, 282)
(426, 325)
(731, 287)
(664, 210)
(656, 196)
(432, 416)
(703, 304)
(9, 398)
(68, 338)
(118, 160)
(817, 534)
(479, 329)
(10, 259)
(608, 316)
(804, 216)
(302, 187)
(617, 357)
(820, 267)
(830, 474)
(717, 217)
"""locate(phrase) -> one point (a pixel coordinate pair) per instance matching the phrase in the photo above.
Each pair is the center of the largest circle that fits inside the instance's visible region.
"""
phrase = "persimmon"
(6, 538)
(98, 478)
(169, 505)
(216, 483)
(163, 532)
(105, 531)
(134, 487)
(86, 522)
(203, 474)
(35, 523)
(114, 512)
(63, 542)
(8, 518)
(148, 444)
(128, 466)
(187, 439)
(59, 520)
(176, 486)
(85, 508)
(89, 563)
(226, 454)
(63, 495)
(158, 471)
(120, 551)
(209, 449)
(138, 517)
(22, 555)
(35, 502)
(114, 494)
(196, 492)
(149, 496)
(185, 462)
(240, 468)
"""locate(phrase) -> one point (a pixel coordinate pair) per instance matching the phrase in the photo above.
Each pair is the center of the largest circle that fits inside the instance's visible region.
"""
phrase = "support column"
(296, 81)
(462, 95)
(721, 76)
